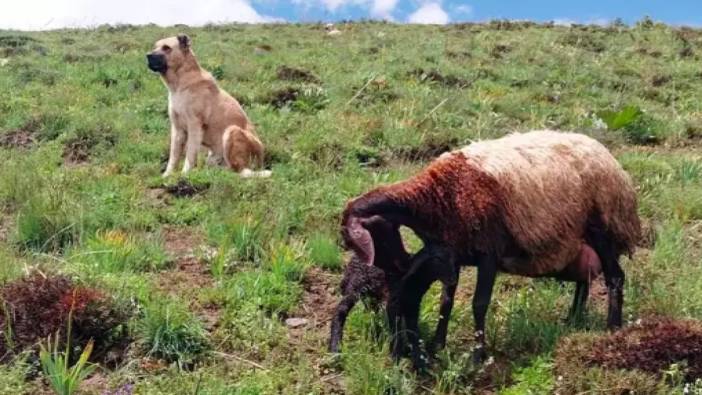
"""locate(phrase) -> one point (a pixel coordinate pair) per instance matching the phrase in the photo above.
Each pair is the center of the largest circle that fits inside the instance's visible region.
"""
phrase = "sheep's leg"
(487, 272)
(337, 326)
(614, 278)
(582, 290)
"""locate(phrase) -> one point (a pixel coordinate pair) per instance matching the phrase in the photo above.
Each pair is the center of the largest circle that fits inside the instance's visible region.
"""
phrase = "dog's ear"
(184, 41)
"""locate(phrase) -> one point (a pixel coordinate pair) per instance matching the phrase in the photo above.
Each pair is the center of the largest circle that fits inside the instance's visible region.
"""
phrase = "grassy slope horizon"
(84, 135)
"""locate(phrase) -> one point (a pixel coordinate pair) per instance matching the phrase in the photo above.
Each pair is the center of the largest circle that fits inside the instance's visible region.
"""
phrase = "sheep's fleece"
(544, 186)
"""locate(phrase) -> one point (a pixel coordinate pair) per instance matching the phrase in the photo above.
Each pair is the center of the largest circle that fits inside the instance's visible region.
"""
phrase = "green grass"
(87, 197)
(170, 332)
(325, 252)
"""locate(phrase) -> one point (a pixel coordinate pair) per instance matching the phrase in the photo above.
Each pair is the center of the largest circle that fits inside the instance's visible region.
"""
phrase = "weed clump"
(169, 332)
(324, 252)
(583, 41)
(378, 90)
(637, 126)
(19, 45)
(38, 306)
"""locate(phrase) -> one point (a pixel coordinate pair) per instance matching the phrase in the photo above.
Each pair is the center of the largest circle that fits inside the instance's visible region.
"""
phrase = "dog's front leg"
(177, 142)
(192, 146)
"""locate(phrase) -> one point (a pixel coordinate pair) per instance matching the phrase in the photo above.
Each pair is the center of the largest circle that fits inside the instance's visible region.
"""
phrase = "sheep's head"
(376, 241)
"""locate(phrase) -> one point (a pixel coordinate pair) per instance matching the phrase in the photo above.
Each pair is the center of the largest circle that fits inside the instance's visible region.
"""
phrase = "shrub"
(45, 223)
(36, 307)
(243, 238)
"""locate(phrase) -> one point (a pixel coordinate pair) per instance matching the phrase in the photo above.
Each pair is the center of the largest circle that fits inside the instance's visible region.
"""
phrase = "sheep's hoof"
(479, 355)
(434, 347)
(421, 363)
(332, 362)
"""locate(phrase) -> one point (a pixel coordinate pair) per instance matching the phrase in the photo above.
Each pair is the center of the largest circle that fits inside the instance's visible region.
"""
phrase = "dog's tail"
(248, 173)
(243, 149)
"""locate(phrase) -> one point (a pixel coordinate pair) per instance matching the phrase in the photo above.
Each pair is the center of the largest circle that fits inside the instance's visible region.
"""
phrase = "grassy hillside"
(193, 279)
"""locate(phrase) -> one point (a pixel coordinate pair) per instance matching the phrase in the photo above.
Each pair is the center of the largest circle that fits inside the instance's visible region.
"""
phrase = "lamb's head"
(376, 241)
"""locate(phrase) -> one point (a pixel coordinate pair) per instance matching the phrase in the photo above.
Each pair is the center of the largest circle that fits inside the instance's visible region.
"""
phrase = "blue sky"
(48, 14)
(671, 11)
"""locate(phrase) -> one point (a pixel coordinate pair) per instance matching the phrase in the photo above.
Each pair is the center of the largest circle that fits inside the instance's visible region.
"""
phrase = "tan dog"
(202, 114)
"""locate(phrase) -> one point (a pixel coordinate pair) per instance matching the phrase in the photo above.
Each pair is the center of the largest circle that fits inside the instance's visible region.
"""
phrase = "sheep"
(401, 271)
(331, 30)
(535, 204)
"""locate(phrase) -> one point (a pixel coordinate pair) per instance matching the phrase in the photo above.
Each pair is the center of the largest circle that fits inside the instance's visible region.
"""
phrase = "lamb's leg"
(487, 272)
(430, 264)
(582, 290)
(395, 316)
(411, 302)
(337, 325)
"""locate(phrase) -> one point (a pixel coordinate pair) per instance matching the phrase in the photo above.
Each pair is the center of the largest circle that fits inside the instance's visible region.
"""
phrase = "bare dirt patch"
(319, 299)
(263, 49)
(450, 81)
(79, 149)
(283, 97)
(286, 73)
(428, 151)
(189, 275)
(18, 139)
(5, 225)
(181, 241)
(184, 188)
(499, 50)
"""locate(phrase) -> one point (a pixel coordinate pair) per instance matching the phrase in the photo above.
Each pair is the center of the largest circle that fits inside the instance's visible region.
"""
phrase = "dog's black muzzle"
(157, 62)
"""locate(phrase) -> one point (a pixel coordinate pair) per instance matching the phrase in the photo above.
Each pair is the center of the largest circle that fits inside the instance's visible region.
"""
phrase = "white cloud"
(383, 8)
(564, 22)
(42, 14)
(598, 21)
(332, 5)
(429, 13)
(380, 9)
(463, 9)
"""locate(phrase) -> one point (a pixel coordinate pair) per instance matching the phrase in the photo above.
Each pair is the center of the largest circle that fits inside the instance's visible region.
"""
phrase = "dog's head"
(169, 53)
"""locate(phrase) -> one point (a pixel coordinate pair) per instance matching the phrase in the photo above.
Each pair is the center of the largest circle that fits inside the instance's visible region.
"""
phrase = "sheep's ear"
(184, 41)
(360, 240)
